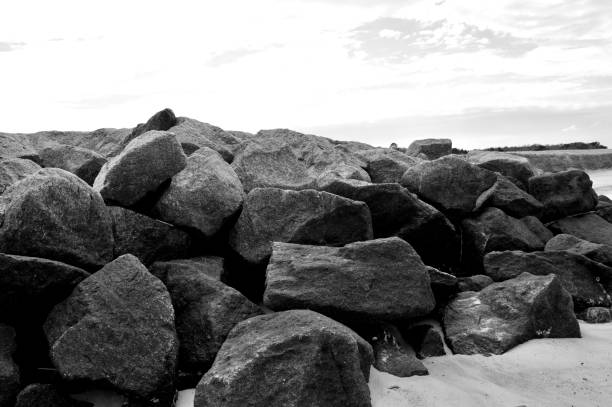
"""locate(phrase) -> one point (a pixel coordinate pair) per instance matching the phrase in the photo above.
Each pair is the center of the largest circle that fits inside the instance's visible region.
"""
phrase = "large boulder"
(193, 135)
(307, 217)
(589, 226)
(15, 169)
(579, 276)
(377, 280)
(206, 310)
(596, 315)
(600, 253)
(144, 164)
(517, 169)
(510, 198)
(431, 148)
(450, 184)
(386, 165)
(47, 395)
(162, 120)
(506, 314)
(9, 371)
(85, 164)
(537, 228)
(16, 146)
(203, 196)
(398, 212)
(54, 214)
(563, 193)
(117, 329)
(146, 238)
(292, 358)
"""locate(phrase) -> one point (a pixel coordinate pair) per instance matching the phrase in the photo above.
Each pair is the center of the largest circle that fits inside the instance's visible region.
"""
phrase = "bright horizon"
(483, 74)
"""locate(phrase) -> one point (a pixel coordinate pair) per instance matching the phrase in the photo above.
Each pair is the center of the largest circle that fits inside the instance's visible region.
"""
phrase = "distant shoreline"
(561, 160)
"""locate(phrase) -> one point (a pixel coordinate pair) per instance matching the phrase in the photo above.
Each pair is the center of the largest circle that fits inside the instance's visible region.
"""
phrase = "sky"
(482, 73)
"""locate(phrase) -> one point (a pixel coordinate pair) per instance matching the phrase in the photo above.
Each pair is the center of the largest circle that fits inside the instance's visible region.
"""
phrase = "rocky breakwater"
(276, 268)
(561, 160)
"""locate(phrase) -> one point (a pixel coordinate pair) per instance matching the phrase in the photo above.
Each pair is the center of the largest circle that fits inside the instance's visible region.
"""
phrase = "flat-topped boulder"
(85, 164)
(386, 165)
(598, 252)
(518, 169)
(290, 358)
(15, 169)
(589, 226)
(193, 135)
(430, 148)
(377, 280)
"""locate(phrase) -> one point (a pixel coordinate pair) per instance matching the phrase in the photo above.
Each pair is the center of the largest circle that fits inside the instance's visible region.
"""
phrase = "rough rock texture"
(537, 228)
(474, 283)
(494, 230)
(116, 329)
(144, 164)
(83, 163)
(600, 253)
(506, 314)
(450, 184)
(162, 120)
(206, 310)
(146, 238)
(108, 142)
(393, 355)
(211, 266)
(516, 168)
(596, 315)
(510, 198)
(590, 226)
(9, 371)
(431, 148)
(386, 165)
(563, 193)
(377, 280)
(16, 146)
(578, 275)
(308, 217)
(15, 169)
(443, 284)
(193, 135)
(605, 212)
(203, 196)
(47, 395)
(292, 358)
(397, 212)
(54, 214)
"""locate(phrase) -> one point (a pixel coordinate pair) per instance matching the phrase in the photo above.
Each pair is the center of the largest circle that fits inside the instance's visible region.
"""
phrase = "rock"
(204, 196)
(193, 135)
(450, 184)
(596, 315)
(108, 142)
(206, 311)
(443, 284)
(377, 280)
(30, 287)
(83, 163)
(510, 198)
(516, 168)
(506, 314)
(290, 358)
(47, 395)
(432, 148)
(537, 228)
(117, 329)
(162, 120)
(15, 169)
(603, 198)
(55, 215)
(307, 217)
(578, 275)
(397, 212)
(426, 340)
(386, 165)
(259, 167)
(605, 212)
(600, 253)
(340, 171)
(474, 283)
(144, 164)
(493, 230)
(9, 371)
(210, 266)
(563, 193)
(589, 226)
(393, 355)
(146, 238)
(16, 146)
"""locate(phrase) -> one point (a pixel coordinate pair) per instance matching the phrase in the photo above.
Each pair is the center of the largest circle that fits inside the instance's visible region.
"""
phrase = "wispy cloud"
(10, 46)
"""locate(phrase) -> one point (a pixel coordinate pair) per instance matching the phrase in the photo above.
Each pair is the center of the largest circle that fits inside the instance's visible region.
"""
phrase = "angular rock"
(537, 228)
(162, 120)
(307, 217)
(563, 193)
(474, 283)
(510, 199)
(144, 164)
(589, 226)
(393, 355)
(431, 148)
(596, 315)
(193, 135)
(15, 169)
(386, 165)
(47, 395)
(578, 275)
(54, 214)
(443, 284)
(377, 280)
(210, 266)
(516, 168)
(605, 212)
(9, 371)
(450, 184)
(290, 358)
(600, 253)
(146, 238)
(506, 314)
(204, 196)
(117, 329)
(85, 164)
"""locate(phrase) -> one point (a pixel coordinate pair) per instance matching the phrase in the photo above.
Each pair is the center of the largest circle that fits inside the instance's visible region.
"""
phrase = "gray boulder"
(47, 395)
(162, 120)
(510, 198)
(377, 280)
(85, 164)
(430, 148)
(193, 135)
(393, 355)
(9, 371)
(596, 315)
(518, 169)
(292, 358)
(589, 226)
(600, 253)
(15, 169)
(210, 266)
(537, 228)
(16, 146)
(386, 165)
(506, 314)
(473, 283)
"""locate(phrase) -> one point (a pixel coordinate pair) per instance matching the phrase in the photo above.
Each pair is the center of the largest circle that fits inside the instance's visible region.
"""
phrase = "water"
(602, 181)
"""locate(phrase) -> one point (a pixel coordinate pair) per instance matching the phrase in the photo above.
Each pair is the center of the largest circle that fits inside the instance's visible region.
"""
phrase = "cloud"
(398, 40)
(10, 46)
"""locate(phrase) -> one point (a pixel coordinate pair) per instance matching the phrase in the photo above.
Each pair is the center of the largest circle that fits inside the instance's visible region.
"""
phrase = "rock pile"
(276, 268)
